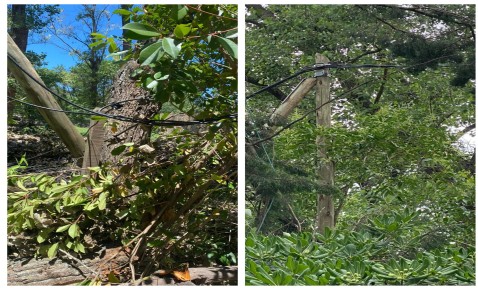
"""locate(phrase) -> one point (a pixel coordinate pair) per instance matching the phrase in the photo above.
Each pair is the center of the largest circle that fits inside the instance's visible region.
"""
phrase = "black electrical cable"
(151, 122)
(321, 67)
(47, 108)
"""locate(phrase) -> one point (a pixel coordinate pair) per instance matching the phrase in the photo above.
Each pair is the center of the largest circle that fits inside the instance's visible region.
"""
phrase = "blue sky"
(57, 56)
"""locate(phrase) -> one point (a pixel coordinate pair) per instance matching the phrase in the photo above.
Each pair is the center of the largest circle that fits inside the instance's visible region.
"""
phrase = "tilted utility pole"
(325, 173)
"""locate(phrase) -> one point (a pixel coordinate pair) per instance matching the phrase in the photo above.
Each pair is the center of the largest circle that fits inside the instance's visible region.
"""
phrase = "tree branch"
(382, 87)
(365, 54)
(274, 91)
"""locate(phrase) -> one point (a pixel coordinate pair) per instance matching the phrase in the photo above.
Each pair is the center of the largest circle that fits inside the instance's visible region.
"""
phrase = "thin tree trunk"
(19, 34)
(125, 20)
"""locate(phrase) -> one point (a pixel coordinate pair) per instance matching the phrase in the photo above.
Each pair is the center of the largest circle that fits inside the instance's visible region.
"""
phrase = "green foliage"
(350, 258)
(56, 211)
(67, 213)
(199, 44)
(397, 157)
(37, 16)
(174, 198)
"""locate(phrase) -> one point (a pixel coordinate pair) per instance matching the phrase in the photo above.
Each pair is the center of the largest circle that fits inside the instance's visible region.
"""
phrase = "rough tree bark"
(66, 270)
(127, 99)
(19, 34)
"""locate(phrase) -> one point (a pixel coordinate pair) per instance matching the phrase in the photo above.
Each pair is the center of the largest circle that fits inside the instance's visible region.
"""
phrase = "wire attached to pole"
(151, 122)
(322, 67)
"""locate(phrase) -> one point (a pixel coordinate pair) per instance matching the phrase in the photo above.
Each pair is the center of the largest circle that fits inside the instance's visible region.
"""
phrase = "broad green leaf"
(122, 12)
(102, 201)
(116, 55)
(59, 189)
(152, 84)
(112, 278)
(98, 118)
(160, 77)
(63, 228)
(113, 47)
(20, 185)
(98, 44)
(229, 46)
(118, 150)
(43, 235)
(98, 35)
(170, 48)
(182, 30)
(74, 231)
(178, 12)
(151, 54)
(311, 281)
(53, 250)
(250, 242)
(142, 29)
(80, 247)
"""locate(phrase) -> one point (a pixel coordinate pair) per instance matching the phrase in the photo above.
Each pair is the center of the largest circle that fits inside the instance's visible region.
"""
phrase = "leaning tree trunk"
(37, 94)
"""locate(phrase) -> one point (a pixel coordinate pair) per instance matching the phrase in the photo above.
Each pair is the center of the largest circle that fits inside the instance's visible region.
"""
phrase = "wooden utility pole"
(325, 204)
(39, 96)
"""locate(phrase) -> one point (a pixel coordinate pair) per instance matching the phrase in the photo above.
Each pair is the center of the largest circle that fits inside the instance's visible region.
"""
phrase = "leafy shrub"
(350, 258)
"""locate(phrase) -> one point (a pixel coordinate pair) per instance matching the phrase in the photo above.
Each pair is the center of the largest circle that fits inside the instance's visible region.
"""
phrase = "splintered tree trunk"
(130, 100)
(325, 204)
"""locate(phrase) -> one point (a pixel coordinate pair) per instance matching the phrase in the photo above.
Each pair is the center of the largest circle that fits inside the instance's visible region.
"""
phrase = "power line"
(320, 67)
(287, 126)
(341, 66)
(47, 108)
(151, 122)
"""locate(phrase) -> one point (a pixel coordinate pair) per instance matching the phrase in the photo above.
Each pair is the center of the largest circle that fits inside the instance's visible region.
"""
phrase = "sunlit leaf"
(141, 29)
(123, 12)
(63, 228)
(170, 48)
(53, 250)
(151, 54)
(182, 30)
(229, 46)
(74, 231)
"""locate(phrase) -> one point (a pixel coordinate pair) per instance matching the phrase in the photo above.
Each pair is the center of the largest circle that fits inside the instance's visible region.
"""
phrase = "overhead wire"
(151, 122)
(335, 65)
(320, 67)
(287, 126)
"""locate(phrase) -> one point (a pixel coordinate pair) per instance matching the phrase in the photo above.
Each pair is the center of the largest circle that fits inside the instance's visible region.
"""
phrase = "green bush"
(350, 258)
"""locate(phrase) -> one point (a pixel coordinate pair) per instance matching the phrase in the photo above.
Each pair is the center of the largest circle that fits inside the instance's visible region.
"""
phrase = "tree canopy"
(395, 140)
(171, 196)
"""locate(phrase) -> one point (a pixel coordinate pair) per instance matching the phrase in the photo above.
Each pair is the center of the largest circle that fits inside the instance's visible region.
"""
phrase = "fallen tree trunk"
(66, 270)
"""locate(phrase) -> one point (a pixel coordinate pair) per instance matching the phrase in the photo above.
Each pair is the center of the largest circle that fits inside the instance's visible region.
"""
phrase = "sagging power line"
(150, 122)
(334, 65)
(320, 67)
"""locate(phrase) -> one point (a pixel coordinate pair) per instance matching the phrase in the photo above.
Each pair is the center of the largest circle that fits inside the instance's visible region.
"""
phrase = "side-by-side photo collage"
(239, 144)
